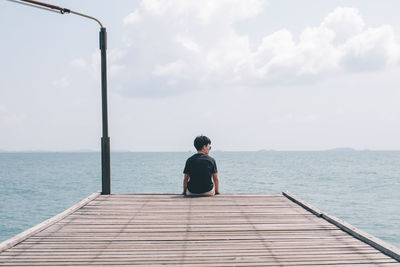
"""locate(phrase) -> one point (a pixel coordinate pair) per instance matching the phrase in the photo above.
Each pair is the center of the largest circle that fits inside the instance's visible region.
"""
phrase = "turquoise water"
(360, 187)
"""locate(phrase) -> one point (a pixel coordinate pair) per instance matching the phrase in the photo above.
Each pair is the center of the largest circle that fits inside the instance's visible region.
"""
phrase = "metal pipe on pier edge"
(105, 139)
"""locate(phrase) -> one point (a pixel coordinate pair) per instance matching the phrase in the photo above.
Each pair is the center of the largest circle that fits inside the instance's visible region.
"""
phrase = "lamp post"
(105, 139)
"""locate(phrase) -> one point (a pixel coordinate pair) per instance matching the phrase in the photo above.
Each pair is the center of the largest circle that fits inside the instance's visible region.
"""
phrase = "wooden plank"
(202, 261)
(169, 230)
(193, 249)
(350, 229)
(367, 238)
(253, 257)
(36, 229)
(194, 244)
(303, 204)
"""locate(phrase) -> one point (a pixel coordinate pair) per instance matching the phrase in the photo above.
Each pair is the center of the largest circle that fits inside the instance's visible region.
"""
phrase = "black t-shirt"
(200, 168)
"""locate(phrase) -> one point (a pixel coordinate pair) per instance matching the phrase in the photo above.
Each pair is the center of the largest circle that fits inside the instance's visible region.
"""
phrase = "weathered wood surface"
(36, 229)
(382, 246)
(160, 230)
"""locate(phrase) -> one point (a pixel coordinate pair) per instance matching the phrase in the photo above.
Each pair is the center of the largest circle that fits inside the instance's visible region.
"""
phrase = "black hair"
(201, 141)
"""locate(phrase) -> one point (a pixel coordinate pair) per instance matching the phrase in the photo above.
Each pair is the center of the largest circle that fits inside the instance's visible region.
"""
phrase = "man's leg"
(209, 193)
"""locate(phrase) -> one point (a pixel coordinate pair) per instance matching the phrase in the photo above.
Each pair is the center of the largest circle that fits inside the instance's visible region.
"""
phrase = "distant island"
(342, 149)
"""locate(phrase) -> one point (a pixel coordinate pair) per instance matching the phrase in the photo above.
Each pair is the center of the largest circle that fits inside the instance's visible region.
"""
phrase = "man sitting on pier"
(199, 170)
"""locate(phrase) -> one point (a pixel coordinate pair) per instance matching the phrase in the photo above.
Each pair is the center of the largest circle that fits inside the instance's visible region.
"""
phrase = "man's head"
(202, 144)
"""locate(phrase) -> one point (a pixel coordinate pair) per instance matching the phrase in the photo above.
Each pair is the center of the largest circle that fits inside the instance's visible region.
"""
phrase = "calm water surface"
(360, 187)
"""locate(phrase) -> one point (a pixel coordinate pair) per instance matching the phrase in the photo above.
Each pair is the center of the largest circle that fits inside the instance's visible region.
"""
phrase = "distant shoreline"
(189, 151)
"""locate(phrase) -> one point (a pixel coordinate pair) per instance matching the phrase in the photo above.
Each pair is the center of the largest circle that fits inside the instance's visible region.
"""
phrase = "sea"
(359, 187)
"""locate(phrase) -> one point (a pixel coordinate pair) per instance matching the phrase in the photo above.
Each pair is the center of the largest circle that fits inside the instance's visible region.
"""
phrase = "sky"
(249, 74)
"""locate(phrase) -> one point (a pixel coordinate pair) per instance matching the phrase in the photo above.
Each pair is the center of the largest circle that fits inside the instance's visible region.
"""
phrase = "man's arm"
(185, 182)
(216, 182)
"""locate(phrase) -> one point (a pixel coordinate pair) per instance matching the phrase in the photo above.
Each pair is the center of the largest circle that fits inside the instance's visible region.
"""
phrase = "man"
(199, 170)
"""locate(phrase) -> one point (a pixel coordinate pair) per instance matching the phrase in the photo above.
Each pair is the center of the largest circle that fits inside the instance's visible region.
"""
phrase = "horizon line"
(340, 149)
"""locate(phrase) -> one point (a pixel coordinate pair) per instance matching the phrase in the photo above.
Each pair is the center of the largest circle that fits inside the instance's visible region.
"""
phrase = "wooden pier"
(171, 230)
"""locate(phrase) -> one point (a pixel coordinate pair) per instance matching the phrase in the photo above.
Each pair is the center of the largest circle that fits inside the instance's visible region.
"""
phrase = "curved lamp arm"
(54, 8)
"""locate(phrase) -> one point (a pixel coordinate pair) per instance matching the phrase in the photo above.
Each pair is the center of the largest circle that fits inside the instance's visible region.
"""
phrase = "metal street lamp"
(105, 139)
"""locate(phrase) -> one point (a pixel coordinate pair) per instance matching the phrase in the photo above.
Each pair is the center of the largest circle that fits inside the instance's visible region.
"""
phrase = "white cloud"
(78, 63)
(189, 44)
(206, 11)
(9, 119)
(373, 49)
(62, 82)
(171, 69)
(316, 52)
(153, 7)
(279, 56)
(132, 18)
(115, 69)
(194, 44)
(344, 22)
